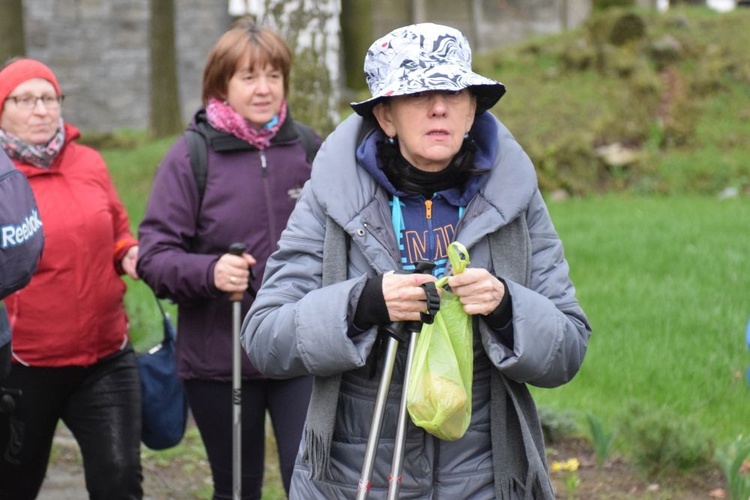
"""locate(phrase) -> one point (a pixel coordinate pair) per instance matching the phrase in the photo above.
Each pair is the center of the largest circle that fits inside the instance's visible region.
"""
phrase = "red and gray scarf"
(39, 155)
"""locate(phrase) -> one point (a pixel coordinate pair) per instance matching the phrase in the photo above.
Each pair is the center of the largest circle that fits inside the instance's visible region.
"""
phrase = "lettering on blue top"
(17, 234)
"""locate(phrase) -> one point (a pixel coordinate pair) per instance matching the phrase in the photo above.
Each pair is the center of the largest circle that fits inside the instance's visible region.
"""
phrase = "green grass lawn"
(665, 284)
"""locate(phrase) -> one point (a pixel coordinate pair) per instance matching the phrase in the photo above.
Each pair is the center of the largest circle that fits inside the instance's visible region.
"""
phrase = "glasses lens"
(25, 101)
(51, 101)
(28, 102)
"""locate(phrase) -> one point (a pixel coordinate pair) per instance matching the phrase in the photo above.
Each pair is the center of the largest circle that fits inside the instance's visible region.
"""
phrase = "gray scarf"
(321, 414)
(520, 467)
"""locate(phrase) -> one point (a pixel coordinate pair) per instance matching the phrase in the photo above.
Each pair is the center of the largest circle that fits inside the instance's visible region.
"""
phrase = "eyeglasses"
(28, 102)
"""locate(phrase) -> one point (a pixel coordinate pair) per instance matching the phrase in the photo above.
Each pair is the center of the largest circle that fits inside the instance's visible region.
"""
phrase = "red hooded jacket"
(72, 312)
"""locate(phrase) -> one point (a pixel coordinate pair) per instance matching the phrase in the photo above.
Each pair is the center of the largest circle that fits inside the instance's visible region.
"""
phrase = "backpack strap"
(307, 136)
(198, 153)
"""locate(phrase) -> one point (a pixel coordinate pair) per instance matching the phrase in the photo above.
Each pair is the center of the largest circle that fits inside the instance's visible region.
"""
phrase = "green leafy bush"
(556, 424)
(662, 442)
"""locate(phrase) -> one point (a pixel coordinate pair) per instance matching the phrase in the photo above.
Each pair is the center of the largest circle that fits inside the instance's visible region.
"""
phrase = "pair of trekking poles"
(397, 333)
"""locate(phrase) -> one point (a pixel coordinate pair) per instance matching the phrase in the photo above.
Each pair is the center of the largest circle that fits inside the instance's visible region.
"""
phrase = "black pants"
(212, 408)
(101, 406)
(5, 354)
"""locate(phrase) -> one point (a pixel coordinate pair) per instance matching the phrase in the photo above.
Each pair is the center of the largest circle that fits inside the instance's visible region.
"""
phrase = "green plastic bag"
(438, 394)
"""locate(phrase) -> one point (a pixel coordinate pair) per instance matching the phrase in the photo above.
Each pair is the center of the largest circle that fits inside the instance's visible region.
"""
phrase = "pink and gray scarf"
(223, 117)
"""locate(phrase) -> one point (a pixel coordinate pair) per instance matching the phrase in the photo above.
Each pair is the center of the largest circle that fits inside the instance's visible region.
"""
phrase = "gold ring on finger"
(233, 280)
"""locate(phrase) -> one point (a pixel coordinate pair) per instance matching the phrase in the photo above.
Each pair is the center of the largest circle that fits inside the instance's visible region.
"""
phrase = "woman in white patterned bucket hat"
(422, 58)
(421, 164)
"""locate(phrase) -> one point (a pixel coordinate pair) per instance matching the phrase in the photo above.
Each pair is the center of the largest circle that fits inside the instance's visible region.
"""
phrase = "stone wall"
(487, 23)
(99, 51)
(99, 48)
(200, 23)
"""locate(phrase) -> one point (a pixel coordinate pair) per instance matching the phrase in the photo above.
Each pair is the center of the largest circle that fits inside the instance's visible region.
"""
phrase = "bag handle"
(459, 259)
(169, 331)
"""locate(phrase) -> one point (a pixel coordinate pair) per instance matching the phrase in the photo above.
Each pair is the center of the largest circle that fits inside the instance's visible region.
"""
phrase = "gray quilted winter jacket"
(298, 326)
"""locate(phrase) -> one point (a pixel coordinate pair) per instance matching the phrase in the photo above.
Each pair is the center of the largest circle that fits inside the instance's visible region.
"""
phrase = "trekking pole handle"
(236, 249)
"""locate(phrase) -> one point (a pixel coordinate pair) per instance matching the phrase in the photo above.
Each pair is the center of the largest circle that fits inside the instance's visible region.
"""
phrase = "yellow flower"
(569, 465)
(572, 464)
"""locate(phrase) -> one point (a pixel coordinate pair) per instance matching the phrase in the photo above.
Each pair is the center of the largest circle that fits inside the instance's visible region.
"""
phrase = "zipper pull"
(428, 209)
(263, 163)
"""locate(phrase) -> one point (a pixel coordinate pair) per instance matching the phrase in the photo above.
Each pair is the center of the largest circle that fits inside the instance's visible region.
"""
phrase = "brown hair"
(244, 43)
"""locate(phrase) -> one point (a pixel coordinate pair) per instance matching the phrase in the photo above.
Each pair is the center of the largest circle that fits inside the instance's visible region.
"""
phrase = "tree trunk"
(356, 38)
(165, 116)
(418, 11)
(12, 40)
(311, 29)
(476, 15)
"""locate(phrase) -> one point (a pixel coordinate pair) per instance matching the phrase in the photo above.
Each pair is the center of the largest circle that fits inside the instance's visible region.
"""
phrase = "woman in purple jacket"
(257, 164)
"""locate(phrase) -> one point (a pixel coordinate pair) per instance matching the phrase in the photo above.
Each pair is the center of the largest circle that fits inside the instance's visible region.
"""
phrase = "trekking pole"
(236, 298)
(363, 487)
(397, 465)
(395, 333)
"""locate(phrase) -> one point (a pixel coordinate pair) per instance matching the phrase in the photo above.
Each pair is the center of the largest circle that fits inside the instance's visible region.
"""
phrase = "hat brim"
(488, 92)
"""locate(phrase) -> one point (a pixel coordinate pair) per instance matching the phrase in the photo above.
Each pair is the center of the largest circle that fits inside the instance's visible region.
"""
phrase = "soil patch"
(618, 480)
(180, 477)
(183, 478)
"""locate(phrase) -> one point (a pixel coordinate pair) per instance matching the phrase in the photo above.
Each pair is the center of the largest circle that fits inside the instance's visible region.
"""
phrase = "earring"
(391, 140)
(466, 135)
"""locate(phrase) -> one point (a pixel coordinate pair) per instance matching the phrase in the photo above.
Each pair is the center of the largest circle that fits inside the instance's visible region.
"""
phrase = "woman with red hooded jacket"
(72, 356)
